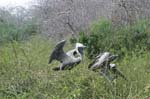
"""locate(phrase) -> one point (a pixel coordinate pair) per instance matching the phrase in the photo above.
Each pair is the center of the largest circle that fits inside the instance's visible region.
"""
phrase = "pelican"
(103, 62)
(69, 59)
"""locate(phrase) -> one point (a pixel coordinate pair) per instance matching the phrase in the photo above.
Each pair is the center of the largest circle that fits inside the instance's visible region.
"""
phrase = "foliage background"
(25, 72)
(28, 37)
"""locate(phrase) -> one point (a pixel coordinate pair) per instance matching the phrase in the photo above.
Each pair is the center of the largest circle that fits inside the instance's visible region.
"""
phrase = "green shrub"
(11, 31)
(27, 75)
(121, 40)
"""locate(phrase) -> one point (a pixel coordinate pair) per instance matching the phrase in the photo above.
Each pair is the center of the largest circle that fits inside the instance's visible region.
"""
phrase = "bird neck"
(80, 52)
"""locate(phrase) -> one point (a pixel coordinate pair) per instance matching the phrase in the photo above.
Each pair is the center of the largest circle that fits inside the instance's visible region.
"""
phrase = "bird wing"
(95, 60)
(92, 63)
(58, 52)
(99, 55)
(99, 60)
(112, 58)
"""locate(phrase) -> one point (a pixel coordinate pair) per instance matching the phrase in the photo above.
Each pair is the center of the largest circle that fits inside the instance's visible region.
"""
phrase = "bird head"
(80, 47)
(112, 66)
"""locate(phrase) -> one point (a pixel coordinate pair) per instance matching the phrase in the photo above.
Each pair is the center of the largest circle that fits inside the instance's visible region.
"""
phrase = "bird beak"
(84, 46)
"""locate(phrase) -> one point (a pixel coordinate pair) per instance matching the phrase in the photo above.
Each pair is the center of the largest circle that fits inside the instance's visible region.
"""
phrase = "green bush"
(26, 74)
(11, 31)
(121, 40)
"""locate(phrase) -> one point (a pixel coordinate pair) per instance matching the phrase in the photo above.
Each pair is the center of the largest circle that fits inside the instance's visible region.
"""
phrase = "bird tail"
(56, 68)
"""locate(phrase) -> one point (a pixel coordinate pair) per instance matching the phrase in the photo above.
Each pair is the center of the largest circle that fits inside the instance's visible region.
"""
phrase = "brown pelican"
(68, 60)
(103, 62)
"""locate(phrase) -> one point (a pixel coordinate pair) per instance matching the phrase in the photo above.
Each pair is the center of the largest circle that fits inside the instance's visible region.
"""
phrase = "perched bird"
(103, 63)
(68, 60)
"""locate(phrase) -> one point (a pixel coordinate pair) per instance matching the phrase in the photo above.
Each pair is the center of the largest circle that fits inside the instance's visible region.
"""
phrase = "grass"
(26, 74)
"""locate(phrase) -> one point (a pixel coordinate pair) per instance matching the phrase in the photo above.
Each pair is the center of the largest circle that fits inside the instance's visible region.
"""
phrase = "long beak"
(84, 46)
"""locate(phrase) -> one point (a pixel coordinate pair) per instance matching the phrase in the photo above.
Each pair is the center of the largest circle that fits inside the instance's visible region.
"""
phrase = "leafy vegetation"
(16, 24)
(26, 74)
(10, 31)
(122, 40)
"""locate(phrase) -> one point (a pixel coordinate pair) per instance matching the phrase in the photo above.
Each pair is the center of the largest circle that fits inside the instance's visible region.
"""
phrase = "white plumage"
(69, 59)
(103, 63)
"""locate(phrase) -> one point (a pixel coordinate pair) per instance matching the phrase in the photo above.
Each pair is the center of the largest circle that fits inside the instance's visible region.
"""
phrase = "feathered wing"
(92, 63)
(68, 60)
(99, 55)
(95, 60)
(58, 52)
(112, 58)
(99, 60)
